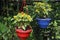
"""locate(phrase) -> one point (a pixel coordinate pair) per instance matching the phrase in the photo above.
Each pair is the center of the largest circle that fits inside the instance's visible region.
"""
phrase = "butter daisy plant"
(42, 9)
(22, 20)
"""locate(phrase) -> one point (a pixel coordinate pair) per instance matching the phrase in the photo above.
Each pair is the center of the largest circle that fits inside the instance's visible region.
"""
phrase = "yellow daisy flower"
(15, 17)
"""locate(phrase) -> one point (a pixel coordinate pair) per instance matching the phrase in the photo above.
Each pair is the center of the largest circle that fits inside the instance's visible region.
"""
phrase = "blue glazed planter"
(43, 23)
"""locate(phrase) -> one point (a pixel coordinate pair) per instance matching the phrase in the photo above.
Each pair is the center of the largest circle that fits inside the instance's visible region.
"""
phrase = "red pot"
(23, 35)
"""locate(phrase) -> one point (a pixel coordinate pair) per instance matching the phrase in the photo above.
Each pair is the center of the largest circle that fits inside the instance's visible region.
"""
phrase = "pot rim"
(23, 31)
(43, 19)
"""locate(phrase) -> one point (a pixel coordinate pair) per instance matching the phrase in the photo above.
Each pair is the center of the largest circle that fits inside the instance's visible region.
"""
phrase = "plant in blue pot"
(42, 9)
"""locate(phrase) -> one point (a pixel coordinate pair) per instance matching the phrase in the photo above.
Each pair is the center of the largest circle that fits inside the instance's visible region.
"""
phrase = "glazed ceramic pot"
(43, 23)
(23, 35)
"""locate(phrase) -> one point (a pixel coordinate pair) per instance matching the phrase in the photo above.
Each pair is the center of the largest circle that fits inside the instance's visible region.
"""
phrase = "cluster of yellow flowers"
(23, 17)
(42, 7)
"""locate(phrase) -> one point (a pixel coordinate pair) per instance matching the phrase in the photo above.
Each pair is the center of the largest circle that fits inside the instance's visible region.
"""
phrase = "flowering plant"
(22, 20)
(42, 9)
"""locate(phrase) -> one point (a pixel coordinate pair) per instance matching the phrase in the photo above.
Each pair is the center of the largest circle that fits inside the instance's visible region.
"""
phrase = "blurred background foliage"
(9, 8)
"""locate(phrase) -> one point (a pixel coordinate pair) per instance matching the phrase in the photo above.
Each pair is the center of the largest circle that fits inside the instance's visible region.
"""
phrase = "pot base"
(23, 38)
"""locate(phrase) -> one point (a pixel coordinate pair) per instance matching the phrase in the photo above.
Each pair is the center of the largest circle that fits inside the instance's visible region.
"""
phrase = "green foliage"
(7, 30)
(3, 28)
(30, 10)
(22, 20)
(40, 8)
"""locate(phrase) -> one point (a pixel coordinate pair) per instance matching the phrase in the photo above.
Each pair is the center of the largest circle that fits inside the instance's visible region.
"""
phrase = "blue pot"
(43, 23)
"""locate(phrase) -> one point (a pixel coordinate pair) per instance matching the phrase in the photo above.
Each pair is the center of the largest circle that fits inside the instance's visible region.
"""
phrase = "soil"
(27, 28)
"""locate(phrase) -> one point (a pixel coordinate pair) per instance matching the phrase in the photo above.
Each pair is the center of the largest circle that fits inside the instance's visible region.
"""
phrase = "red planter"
(23, 35)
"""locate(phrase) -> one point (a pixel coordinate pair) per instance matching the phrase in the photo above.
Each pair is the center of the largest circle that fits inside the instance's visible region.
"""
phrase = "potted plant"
(42, 9)
(22, 20)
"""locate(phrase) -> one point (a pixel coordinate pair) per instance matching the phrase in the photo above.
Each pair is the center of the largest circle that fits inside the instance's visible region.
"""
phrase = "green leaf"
(58, 37)
(55, 23)
(3, 28)
(14, 22)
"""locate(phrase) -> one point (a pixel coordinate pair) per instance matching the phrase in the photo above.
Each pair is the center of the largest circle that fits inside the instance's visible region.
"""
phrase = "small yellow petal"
(15, 17)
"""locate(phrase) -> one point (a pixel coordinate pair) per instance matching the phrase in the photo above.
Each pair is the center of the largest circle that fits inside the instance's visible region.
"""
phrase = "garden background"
(8, 8)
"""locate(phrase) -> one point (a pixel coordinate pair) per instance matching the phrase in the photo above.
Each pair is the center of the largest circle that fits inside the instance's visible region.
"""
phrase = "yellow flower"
(45, 10)
(22, 17)
(37, 11)
(23, 14)
(29, 18)
(15, 17)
